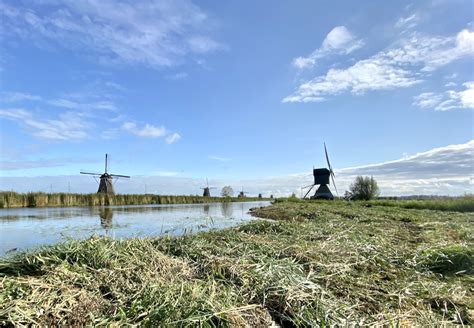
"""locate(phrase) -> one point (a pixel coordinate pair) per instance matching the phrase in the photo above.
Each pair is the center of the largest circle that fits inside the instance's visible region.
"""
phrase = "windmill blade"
(308, 191)
(327, 157)
(90, 173)
(119, 176)
(334, 183)
(307, 186)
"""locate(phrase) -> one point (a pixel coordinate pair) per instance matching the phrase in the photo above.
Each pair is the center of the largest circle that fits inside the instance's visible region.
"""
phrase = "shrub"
(364, 188)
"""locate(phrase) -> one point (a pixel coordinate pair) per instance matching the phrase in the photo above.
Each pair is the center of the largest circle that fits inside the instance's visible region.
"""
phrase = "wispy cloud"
(338, 41)
(23, 164)
(69, 104)
(439, 171)
(178, 76)
(147, 32)
(401, 66)
(146, 131)
(219, 158)
(68, 126)
(172, 138)
(17, 97)
(450, 99)
(408, 22)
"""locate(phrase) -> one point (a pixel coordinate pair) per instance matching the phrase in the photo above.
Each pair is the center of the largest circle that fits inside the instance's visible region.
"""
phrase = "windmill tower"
(106, 184)
(242, 193)
(321, 178)
(207, 190)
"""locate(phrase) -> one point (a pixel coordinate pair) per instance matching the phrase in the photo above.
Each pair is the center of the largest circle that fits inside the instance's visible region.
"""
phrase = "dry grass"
(322, 263)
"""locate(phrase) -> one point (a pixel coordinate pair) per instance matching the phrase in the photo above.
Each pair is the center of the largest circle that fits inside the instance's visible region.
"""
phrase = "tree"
(364, 188)
(227, 191)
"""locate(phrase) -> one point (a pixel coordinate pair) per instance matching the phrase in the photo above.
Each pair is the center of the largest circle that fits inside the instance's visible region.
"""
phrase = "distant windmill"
(207, 190)
(242, 193)
(321, 178)
(106, 184)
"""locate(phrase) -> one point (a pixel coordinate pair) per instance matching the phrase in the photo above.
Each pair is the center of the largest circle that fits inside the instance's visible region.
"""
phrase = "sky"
(244, 93)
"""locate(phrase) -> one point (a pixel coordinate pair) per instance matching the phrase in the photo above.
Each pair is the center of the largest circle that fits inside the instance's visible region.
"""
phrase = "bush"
(364, 188)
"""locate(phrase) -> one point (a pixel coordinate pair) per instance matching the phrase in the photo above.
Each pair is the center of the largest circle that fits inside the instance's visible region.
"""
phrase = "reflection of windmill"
(106, 184)
(242, 193)
(321, 178)
(207, 190)
(106, 214)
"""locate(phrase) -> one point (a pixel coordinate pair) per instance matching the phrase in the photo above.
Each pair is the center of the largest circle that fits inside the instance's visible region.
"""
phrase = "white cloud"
(68, 126)
(450, 84)
(219, 158)
(441, 171)
(147, 130)
(172, 138)
(408, 22)
(401, 66)
(69, 104)
(450, 99)
(338, 41)
(152, 33)
(178, 76)
(17, 96)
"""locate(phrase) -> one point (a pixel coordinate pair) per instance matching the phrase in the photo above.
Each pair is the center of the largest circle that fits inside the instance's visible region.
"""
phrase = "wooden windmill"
(321, 178)
(207, 190)
(106, 184)
(242, 193)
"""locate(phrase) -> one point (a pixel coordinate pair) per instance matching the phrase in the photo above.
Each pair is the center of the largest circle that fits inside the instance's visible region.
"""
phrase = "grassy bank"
(455, 204)
(321, 263)
(40, 199)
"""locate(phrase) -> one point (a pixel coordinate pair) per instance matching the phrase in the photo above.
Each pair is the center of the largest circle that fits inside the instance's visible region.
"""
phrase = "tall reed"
(39, 199)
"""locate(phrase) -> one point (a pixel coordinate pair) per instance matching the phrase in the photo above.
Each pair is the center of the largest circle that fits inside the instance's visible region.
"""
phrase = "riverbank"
(320, 263)
(40, 199)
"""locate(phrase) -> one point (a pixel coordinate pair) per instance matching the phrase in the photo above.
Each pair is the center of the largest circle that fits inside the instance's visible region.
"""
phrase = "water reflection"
(106, 215)
(226, 210)
(205, 209)
(26, 228)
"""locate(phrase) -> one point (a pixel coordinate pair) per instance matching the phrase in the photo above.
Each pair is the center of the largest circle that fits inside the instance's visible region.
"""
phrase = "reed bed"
(40, 199)
(318, 264)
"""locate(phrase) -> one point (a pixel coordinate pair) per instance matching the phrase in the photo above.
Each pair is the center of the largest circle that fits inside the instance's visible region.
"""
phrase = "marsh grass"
(321, 263)
(455, 204)
(40, 199)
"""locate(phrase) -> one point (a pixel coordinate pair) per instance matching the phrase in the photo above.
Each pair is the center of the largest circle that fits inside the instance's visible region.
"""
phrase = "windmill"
(207, 190)
(242, 193)
(321, 178)
(106, 184)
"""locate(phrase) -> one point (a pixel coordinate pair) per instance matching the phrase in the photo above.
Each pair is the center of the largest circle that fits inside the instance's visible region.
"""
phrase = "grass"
(455, 204)
(40, 199)
(320, 263)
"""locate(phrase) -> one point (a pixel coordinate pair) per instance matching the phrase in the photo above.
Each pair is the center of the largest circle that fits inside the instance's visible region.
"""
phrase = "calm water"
(27, 228)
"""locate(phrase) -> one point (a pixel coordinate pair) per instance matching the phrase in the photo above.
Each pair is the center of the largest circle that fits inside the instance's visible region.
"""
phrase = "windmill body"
(106, 183)
(322, 177)
(242, 193)
(207, 190)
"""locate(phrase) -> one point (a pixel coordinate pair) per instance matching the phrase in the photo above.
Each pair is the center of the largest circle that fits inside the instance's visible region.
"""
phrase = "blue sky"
(240, 92)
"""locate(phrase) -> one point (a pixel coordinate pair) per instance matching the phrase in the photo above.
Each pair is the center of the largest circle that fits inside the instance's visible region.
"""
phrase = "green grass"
(455, 204)
(40, 199)
(320, 263)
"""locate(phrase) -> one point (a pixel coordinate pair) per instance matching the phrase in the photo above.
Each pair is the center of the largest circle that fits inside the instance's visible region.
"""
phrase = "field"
(40, 199)
(318, 263)
(459, 204)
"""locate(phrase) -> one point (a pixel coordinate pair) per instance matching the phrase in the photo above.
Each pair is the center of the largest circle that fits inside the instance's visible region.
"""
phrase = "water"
(28, 228)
